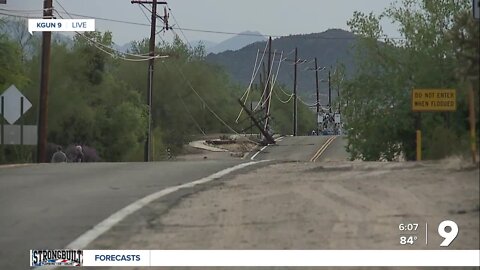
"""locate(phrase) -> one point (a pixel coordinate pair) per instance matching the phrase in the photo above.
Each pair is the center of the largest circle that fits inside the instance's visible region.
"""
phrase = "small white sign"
(337, 118)
(60, 25)
(11, 101)
(319, 118)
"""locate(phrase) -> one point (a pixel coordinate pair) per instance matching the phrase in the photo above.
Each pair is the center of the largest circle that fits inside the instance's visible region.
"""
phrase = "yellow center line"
(322, 148)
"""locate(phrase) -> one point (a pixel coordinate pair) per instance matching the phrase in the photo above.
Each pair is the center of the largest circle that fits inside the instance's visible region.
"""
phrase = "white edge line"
(263, 148)
(89, 236)
(86, 238)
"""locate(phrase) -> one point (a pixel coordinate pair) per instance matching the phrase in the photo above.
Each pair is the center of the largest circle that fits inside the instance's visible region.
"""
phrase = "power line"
(225, 32)
(144, 14)
(176, 22)
(277, 36)
(21, 16)
(269, 77)
(99, 45)
(254, 75)
(284, 102)
(25, 10)
(188, 111)
(108, 19)
(202, 100)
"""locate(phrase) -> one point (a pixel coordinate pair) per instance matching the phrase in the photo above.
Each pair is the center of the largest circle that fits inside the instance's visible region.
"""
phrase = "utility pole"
(329, 92)
(318, 93)
(151, 65)
(267, 89)
(295, 93)
(251, 121)
(44, 78)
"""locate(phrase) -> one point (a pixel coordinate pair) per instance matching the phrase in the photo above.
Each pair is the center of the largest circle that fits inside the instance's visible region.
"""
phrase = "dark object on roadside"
(169, 153)
(79, 157)
(59, 156)
(89, 154)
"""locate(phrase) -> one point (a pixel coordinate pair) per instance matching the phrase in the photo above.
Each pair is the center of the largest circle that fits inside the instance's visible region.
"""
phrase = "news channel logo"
(56, 257)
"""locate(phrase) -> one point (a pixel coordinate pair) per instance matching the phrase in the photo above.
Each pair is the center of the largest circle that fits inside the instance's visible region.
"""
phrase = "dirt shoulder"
(331, 205)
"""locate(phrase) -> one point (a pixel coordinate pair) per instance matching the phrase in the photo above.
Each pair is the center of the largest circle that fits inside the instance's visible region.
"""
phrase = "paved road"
(48, 206)
(304, 148)
(335, 151)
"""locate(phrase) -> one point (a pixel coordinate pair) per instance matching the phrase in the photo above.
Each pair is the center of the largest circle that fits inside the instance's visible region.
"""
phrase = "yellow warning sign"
(434, 100)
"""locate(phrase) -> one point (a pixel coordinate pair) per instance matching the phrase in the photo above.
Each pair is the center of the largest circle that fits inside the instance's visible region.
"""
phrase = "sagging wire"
(266, 85)
(284, 102)
(254, 75)
(99, 45)
(181, 30)
(274, 81)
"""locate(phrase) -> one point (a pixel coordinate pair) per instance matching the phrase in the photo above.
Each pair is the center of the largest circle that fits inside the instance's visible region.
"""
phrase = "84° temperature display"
(409, 232)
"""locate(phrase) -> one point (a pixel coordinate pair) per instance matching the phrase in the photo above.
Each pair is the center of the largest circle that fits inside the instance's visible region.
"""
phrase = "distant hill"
(237, 42)
(329, 47)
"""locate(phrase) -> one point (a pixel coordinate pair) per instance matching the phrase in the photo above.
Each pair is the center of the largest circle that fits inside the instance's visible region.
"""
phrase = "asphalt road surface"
(304, 148)
(48, 206)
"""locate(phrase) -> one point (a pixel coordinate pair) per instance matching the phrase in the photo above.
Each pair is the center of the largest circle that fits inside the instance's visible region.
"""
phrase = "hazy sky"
(270, 17)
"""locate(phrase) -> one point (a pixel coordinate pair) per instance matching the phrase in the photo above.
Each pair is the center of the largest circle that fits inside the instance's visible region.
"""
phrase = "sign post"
(431, 100)
(418, 136)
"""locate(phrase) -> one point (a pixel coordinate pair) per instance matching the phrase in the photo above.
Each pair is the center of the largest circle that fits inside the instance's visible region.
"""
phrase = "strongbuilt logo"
(56, 257)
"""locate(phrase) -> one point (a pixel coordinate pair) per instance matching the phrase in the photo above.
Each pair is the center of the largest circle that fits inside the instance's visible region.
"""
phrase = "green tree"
(377, 99)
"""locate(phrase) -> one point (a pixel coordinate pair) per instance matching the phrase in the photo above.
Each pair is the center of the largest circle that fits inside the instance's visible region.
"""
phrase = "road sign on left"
(12, 104)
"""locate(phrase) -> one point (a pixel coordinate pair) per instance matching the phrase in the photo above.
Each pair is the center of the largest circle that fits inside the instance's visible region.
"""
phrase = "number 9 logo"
(448, 236)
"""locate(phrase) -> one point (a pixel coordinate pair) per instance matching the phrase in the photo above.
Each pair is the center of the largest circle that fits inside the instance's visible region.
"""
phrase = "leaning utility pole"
(318, 94)
(268, 137)
(44, 78)
(151, 64)
(295, 94)
(267, 89)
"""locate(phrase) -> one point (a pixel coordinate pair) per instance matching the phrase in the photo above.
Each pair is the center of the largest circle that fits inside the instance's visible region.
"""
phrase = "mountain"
(330, 47)
(237, 42)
